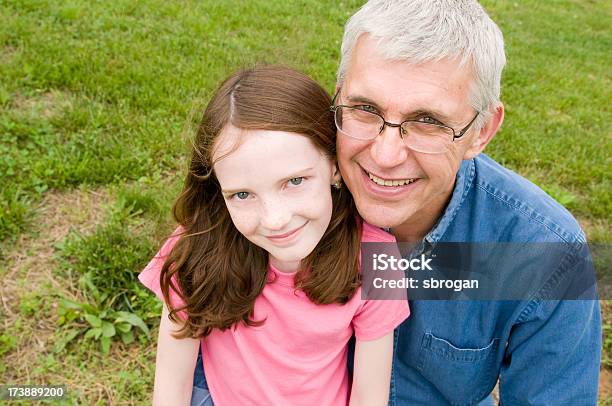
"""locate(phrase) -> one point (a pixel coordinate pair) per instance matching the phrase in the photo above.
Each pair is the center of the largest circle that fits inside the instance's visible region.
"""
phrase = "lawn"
(97, 105)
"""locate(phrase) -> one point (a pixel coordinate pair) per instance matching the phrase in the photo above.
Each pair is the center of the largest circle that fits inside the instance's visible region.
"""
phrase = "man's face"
(400, 91)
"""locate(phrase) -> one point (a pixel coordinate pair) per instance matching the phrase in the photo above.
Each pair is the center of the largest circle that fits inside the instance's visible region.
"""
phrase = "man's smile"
(387, 187)
(390, 182)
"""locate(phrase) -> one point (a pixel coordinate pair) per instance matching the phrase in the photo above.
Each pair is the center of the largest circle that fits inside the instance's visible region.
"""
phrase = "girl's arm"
(372, 371)
(174, 366)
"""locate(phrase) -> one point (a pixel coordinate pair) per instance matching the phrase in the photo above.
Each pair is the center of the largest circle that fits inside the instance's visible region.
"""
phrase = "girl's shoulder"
(171, 242)
(150, 275)
(370, 233)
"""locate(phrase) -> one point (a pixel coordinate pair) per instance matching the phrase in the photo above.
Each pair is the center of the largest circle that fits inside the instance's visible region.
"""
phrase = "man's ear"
(486, 133)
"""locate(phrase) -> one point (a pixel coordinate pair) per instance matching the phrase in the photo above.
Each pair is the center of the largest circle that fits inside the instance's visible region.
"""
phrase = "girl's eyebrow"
(232, 191)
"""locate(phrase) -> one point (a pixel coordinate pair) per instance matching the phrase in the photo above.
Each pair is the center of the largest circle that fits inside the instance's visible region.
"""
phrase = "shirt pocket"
(463, 375)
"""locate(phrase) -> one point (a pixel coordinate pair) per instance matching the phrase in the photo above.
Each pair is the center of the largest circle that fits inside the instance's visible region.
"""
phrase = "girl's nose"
(275, 215)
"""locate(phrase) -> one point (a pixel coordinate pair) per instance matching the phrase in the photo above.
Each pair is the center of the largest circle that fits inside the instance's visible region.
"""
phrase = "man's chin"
(381, 216)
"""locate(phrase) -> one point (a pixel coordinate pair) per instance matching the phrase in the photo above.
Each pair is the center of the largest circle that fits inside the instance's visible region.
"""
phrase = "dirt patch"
(32, 256)
(597, 230)
(47, 104)
(7, 53)
(605, 385)
(81, 210)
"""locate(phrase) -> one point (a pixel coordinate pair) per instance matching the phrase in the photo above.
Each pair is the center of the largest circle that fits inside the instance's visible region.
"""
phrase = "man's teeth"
(383, 182)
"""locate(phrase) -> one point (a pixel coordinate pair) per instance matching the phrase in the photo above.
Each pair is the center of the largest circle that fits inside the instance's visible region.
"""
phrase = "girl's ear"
(336, 177)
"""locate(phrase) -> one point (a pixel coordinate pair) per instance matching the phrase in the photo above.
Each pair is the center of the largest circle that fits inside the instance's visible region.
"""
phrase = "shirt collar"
(463, 184)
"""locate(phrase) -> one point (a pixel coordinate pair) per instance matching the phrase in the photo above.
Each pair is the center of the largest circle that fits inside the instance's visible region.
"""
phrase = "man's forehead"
(369, 53)
(402, 86)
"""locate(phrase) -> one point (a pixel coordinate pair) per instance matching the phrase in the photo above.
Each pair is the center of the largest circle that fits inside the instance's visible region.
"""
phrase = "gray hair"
(419, 31)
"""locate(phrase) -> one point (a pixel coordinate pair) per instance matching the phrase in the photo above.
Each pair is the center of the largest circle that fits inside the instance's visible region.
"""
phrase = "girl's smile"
(288, 237)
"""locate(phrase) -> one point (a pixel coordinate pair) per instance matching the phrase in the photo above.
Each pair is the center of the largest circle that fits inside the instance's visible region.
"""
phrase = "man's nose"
(388, 149)
(275, 214)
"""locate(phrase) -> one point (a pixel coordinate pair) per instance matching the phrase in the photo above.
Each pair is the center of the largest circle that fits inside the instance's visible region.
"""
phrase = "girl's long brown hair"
(219, 272)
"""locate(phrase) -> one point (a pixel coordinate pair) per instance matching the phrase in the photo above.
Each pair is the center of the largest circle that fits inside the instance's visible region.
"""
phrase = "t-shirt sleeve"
(377, 317)
(149, 277)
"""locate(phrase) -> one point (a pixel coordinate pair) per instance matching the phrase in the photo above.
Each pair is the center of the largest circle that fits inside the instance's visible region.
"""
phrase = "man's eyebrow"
(360, 99)
(438, 115)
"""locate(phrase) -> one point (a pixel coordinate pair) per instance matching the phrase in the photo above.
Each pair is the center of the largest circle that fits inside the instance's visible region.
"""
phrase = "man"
(417, 102)
(438, 64)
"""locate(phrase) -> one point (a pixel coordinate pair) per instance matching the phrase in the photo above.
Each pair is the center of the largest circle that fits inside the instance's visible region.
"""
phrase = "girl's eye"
(241, 195)
(296, 181)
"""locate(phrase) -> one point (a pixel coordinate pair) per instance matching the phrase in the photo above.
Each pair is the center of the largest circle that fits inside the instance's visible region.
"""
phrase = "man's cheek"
(452, 160)
(348, 148)
(453, 152)
(440, 166)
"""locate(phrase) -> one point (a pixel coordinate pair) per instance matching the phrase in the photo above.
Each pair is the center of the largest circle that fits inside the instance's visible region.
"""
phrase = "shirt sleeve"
(150, 276)
(377, 318)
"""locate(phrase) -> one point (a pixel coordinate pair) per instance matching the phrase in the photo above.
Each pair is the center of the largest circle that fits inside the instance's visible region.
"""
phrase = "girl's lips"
(286, 236)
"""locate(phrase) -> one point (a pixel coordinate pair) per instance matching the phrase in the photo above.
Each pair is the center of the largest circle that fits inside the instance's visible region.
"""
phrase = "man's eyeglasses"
(425, 134)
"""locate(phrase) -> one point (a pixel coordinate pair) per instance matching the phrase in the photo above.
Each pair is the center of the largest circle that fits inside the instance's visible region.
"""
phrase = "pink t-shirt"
(299, 355)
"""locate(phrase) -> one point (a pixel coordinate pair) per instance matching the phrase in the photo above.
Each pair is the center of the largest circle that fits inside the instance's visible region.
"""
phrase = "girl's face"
(277, 188)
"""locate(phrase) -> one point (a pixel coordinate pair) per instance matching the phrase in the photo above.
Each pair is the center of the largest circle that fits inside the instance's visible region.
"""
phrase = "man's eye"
(428, 120)
(241, 195)
(296, 181)
(367, 107)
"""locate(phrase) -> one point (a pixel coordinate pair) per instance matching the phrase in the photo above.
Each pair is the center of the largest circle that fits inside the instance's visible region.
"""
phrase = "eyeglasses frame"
(335, 107)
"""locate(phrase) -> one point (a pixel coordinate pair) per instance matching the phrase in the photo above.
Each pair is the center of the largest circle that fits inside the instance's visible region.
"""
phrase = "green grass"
(100, 96)
(557, 91)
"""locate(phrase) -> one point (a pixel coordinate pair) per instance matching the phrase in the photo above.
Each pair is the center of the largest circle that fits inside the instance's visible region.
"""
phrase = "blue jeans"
(200, 395)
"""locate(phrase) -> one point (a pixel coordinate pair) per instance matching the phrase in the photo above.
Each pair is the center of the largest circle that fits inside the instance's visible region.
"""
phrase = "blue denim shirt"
(545, 352)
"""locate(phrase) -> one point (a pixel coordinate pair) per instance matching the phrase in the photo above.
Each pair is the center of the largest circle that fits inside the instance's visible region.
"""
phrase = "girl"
(263, 271)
